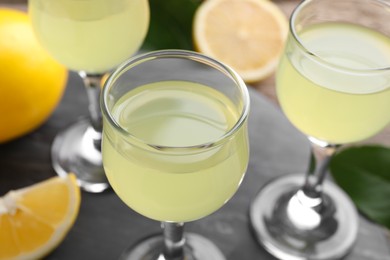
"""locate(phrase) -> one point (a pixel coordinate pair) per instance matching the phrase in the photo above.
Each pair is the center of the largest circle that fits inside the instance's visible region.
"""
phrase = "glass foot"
(77, 150)
(151, 248)
(289, 231)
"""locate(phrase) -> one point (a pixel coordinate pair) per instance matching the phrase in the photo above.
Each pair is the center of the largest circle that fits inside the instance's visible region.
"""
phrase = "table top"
(106, 226)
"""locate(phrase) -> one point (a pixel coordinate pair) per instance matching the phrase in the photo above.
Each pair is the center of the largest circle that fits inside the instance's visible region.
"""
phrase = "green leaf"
(364, 174)
(170, 24)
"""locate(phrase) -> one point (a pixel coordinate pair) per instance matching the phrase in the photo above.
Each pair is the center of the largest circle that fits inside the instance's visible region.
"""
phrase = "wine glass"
(175, 145)
(333, 84)
(90, 37)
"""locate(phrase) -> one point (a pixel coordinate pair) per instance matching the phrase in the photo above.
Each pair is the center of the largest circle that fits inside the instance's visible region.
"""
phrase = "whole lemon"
(31, 81)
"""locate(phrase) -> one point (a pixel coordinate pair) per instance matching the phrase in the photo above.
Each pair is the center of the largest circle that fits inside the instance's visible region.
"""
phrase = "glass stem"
(173, 240)
(92, 83)
(309, 207)
(318, 168)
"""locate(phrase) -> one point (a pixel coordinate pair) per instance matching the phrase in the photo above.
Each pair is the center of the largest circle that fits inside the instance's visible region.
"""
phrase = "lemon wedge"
(35, 219)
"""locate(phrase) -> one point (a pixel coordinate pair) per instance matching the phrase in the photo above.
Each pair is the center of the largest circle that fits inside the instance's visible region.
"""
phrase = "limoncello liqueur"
(185, 183)
(328, 101)
(90, 35)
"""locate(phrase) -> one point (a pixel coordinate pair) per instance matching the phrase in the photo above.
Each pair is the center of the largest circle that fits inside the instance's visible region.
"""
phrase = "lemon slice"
(35, 219)
(247, 35)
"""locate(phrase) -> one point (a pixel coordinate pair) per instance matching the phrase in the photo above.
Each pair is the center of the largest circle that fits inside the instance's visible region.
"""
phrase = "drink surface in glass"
(90, 35)
(334, 104)
(176, 187)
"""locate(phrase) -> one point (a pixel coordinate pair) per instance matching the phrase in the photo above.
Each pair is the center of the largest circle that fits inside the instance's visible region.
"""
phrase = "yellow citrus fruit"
(35, 219)
(247, 35)
(31, 82)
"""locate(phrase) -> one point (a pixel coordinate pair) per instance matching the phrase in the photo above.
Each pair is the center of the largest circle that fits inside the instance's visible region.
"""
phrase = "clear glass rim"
(320, 60)
(185, 54)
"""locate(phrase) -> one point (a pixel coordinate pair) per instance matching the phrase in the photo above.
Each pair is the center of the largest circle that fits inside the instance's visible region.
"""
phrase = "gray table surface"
(105, 226)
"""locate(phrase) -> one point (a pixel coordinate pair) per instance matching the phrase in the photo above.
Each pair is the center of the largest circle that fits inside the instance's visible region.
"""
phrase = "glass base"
(76, 150)
(289, 232)
(151, 248)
